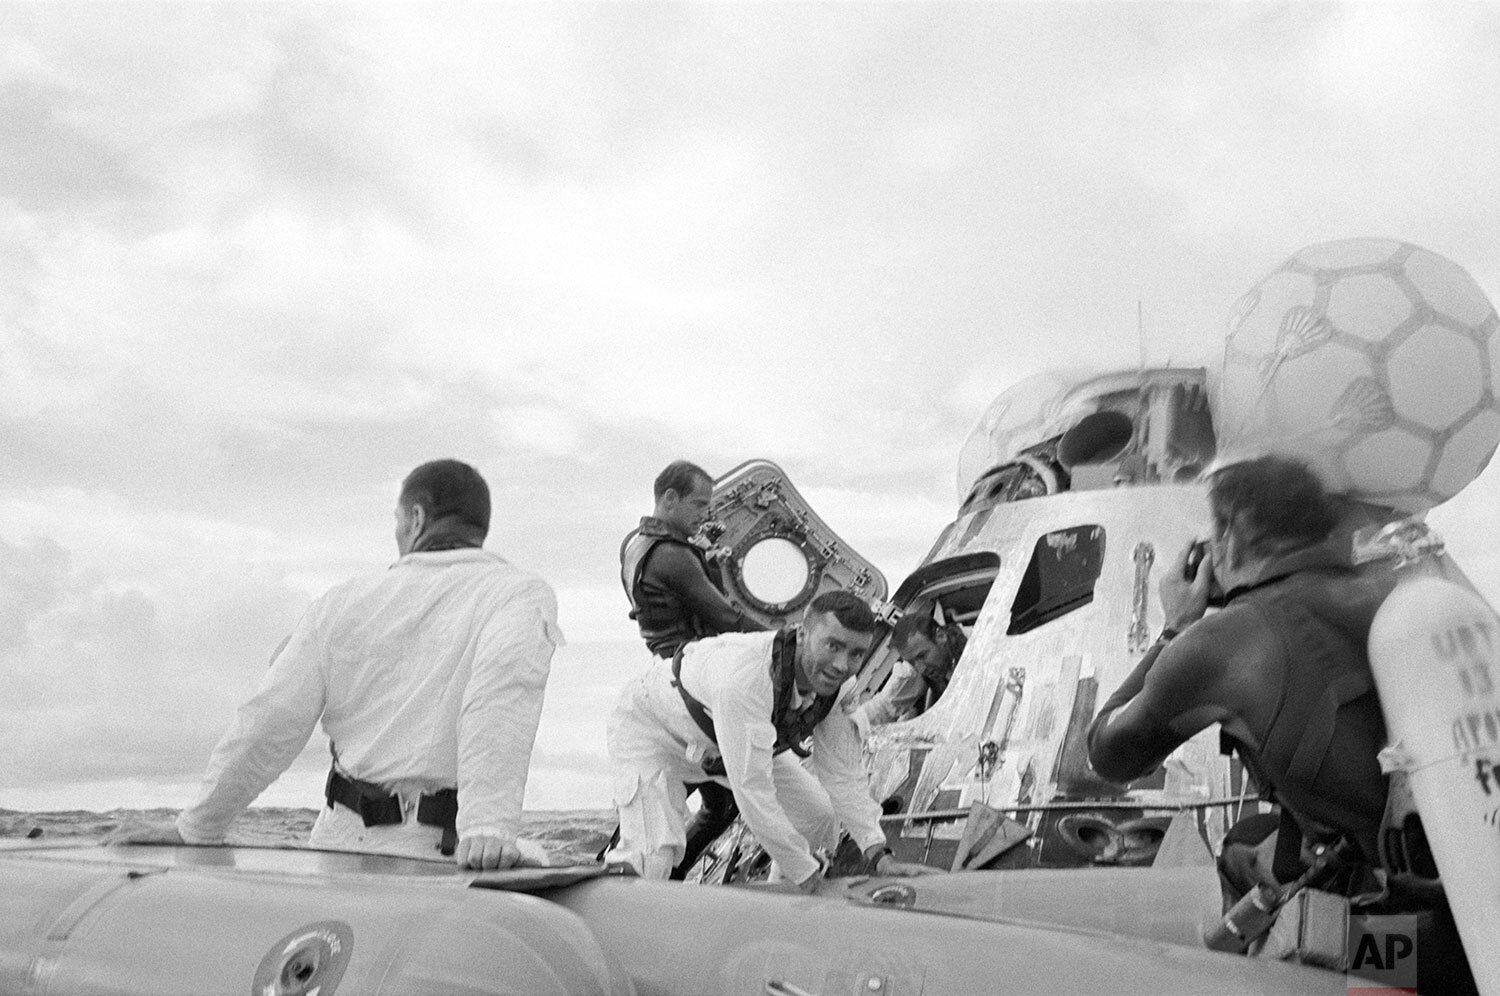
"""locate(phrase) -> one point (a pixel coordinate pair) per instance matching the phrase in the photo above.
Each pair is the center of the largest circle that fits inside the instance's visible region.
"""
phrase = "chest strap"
(633, 552)
(694, 707)
(792, 726)
(1317, 733)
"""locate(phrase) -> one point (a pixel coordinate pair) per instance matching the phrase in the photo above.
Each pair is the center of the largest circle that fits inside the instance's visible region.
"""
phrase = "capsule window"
(1060, 578)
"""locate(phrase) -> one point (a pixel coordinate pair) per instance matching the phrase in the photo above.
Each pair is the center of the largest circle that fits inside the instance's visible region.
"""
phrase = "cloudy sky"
(256, 262)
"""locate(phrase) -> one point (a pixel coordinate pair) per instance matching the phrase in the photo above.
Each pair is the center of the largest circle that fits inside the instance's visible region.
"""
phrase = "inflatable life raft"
(285, 922)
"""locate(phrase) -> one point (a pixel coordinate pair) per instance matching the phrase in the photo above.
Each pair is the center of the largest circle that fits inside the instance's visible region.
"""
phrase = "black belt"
(379, 808)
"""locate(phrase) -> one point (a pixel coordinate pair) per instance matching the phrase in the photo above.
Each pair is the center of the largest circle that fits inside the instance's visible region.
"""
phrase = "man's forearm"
(1114, 752)
(1133, 683)
(251, 755)
(911, 689)
(267, 733)
(837, 766)
(501, 711)
(773, 830)
(749, 763)
(686, 577)
(711, 607)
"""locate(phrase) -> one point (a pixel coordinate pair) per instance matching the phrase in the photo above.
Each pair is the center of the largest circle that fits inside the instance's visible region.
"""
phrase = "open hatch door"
(773, 552)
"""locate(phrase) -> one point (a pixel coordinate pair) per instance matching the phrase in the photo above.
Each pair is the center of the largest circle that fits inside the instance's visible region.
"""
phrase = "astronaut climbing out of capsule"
(929, 650)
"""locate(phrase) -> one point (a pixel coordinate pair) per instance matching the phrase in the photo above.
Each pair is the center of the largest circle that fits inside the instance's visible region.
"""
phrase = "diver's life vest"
(665, 622)
(792, 726)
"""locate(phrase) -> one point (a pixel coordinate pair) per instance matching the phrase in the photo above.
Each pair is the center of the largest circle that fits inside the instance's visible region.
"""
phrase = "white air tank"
(1435, 651)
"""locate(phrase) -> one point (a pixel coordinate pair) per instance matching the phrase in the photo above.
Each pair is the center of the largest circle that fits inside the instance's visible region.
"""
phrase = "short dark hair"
(1271, 504)
(448, 488)
(915, 621)
(680, 476)
(849, 609)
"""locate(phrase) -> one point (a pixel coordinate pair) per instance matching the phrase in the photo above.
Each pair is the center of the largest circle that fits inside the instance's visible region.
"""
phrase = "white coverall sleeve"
(267, 734)
(836, 765)
(742, 720)
(502, 706)
(896, 700)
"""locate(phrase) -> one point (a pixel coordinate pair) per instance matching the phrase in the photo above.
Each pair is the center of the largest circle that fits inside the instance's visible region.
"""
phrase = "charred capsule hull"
(1057, 593)
(1065, 610)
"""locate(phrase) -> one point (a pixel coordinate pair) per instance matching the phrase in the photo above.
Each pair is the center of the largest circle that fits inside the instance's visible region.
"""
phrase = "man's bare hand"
(486, 852)
(889, 867)
(1183, 602)
(143, 833)
(812, 883)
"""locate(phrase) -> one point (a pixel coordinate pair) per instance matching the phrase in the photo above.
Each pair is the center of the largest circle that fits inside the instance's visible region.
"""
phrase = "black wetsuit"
(1284, 669)
(674, 599)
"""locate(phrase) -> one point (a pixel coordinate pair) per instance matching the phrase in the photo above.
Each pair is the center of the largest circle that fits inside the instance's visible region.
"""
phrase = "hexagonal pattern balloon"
(1374, 360)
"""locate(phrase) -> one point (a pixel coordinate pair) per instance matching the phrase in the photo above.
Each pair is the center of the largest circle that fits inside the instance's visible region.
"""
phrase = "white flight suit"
(792, 809)
(904, 693)
(426, 676)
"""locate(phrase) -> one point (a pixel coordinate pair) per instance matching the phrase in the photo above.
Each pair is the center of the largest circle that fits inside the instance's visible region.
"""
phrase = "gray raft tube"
(270, 922)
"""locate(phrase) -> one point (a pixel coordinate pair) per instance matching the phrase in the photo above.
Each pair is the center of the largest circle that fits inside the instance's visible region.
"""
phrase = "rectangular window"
(1064, 568)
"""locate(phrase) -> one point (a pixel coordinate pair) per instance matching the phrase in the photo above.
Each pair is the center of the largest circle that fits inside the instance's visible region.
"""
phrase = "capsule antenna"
(1140, 331)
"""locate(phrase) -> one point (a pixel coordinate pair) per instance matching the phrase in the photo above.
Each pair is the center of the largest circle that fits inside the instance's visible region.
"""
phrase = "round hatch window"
(775, 570)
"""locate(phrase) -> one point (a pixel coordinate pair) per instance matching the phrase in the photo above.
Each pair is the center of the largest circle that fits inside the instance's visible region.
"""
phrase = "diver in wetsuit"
(675, 599)
(1283, 669)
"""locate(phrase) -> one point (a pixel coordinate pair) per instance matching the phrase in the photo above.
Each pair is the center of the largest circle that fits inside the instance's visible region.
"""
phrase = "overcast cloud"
(256, 262)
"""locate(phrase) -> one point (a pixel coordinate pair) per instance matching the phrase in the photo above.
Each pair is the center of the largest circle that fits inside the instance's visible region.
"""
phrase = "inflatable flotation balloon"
(1373, 360)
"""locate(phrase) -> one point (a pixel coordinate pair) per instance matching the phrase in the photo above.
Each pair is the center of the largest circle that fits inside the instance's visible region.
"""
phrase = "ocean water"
(577, 833)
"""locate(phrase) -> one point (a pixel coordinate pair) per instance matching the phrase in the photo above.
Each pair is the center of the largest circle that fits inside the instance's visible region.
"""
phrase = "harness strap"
(791, 728)
(633, 552)
(1318, 733)
(694, 707)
